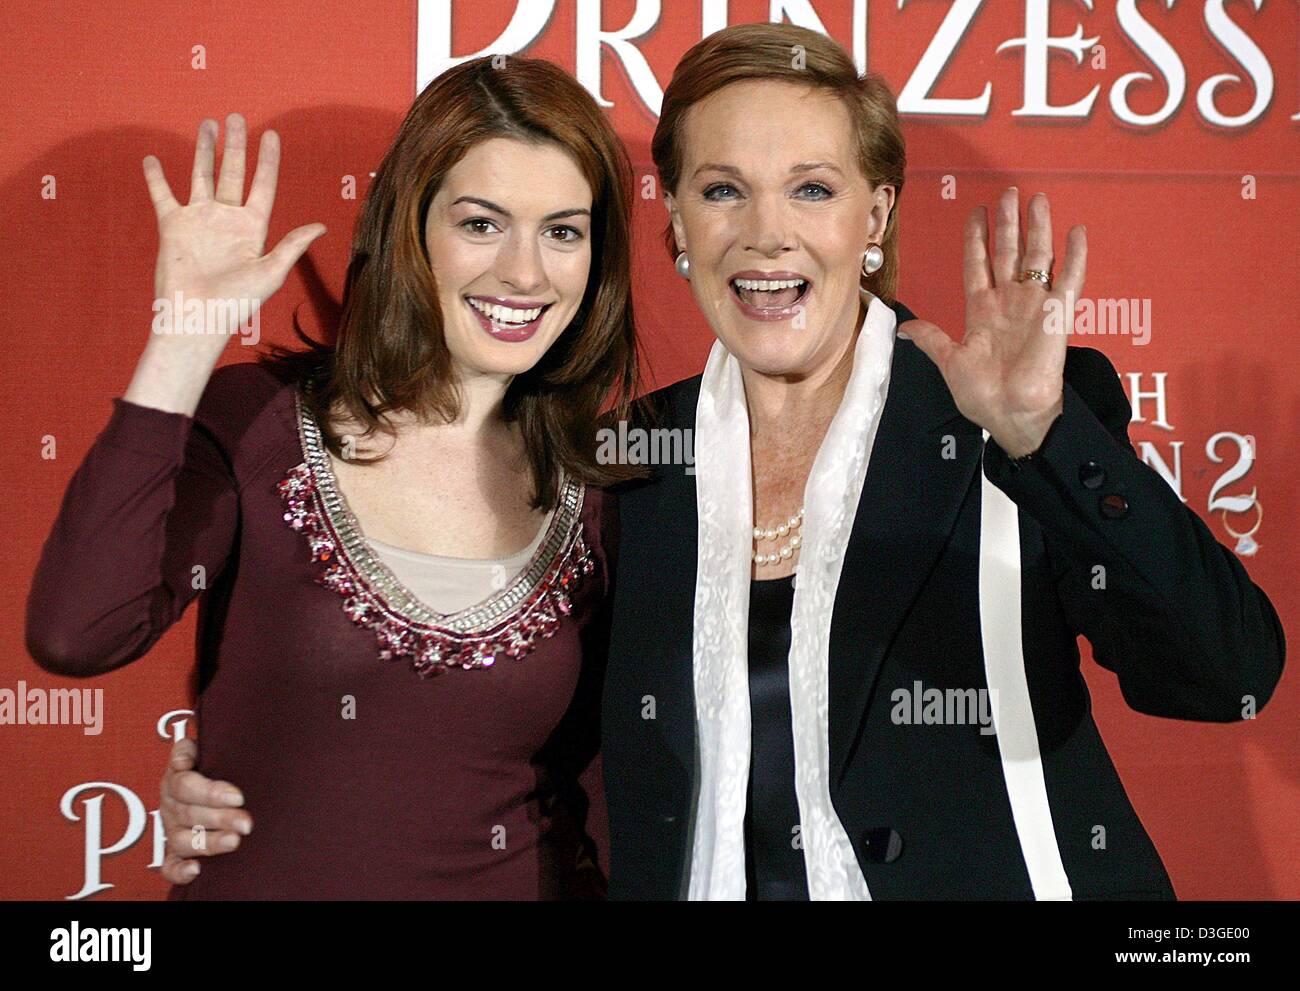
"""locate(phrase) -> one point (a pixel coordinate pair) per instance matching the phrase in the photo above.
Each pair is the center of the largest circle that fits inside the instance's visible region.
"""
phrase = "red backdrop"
(1187, 184)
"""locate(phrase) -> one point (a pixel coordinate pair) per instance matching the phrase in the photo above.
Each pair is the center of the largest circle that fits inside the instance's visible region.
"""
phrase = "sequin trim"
(509, 623)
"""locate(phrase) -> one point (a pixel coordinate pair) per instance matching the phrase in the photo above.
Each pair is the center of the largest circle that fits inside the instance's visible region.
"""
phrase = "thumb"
(280, 259)
(931, 339)
(184, 751)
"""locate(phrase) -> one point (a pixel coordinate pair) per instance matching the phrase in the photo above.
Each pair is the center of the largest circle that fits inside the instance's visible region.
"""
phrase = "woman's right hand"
(200, 816)
(210, 267)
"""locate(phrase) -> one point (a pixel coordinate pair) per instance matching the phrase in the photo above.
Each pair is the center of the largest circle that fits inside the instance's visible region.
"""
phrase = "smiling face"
(508, 235)
(774, 215)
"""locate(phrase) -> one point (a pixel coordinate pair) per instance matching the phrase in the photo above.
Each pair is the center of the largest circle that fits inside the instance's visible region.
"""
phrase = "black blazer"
(926, 808)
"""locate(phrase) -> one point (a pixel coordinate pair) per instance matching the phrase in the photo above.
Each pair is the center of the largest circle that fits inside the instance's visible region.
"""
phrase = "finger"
(261, 195)
(230, 187)
(204, 152)
(976, 274)
(184, 753)
(1006, 238)
(280, 259)
(1038, 241)
(192, 788)
(1075, 265)
(932, 340)
(181, 815)
(179, 871)
(160, 194)
(201, 842)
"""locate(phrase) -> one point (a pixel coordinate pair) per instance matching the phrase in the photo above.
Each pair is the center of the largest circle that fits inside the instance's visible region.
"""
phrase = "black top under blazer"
(1179, 622)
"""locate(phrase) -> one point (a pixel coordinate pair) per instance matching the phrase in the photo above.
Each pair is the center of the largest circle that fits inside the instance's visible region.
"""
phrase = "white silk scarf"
(721, 618)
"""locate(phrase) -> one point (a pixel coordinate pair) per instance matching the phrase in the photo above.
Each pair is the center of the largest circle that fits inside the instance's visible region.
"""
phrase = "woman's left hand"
(1006, 374)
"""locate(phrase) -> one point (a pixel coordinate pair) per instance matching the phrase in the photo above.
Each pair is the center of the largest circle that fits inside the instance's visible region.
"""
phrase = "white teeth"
(505, 314)
(768, 285)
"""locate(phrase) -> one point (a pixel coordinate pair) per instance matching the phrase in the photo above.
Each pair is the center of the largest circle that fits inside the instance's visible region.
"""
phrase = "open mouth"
(505, 320)
(774, 295)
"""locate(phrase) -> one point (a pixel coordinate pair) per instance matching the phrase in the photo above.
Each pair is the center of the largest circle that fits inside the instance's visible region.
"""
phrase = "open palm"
(212, 247)
(1006, 374)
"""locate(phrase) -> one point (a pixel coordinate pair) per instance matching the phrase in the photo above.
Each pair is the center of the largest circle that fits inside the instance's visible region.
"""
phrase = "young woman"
(396, 541)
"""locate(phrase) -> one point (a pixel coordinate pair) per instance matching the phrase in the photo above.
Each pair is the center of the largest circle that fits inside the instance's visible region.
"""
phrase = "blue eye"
(822, 191)
(714, 192)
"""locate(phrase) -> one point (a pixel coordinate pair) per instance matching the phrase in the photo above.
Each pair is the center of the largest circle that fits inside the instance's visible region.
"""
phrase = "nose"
(769, 230)
(519, 264)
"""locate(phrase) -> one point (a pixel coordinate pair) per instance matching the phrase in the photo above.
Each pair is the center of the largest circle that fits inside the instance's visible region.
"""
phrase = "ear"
(882, 204)
(674, 215)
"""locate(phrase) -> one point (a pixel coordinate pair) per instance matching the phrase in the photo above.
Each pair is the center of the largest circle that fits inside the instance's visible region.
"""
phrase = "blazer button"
(1114, 506)
(1092, 475)
(667, 819)
(882, 844)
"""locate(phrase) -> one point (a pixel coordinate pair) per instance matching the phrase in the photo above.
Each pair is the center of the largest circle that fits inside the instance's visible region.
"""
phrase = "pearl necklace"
(782, 553)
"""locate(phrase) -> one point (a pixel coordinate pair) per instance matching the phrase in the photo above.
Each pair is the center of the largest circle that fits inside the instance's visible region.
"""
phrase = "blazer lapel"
(909, 505)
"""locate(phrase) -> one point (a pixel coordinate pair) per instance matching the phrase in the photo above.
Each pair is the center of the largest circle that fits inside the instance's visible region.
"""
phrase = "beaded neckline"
(509, 622)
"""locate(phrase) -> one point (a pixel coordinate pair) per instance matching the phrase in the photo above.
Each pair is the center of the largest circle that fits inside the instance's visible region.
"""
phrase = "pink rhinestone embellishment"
(431, 649)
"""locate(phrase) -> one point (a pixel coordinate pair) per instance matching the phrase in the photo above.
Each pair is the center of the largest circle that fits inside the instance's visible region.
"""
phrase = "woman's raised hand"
(1006, 375)
(200, 816)
(212, 275)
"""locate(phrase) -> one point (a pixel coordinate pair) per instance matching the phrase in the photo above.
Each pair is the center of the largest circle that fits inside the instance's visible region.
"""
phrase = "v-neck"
(509, 621)
(354, 545)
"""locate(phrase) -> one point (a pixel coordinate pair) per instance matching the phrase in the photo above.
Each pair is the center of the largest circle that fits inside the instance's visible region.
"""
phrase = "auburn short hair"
(792, 54)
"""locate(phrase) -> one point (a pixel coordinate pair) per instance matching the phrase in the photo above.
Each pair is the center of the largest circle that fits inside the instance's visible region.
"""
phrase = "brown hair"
(797, 55)
(390, 353)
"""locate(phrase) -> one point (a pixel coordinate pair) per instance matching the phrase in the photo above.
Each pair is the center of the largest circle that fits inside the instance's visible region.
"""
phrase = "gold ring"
(1038, 275)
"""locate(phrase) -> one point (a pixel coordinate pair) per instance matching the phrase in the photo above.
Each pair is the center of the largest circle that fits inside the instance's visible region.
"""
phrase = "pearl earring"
(683, 266)
(872, 259)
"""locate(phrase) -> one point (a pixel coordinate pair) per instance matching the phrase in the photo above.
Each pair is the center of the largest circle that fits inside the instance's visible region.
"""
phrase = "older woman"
(908, 719)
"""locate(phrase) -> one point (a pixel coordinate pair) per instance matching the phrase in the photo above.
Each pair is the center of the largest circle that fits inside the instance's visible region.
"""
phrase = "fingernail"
(232, 798)
(191, 870)
(229, 842)
(244, 826)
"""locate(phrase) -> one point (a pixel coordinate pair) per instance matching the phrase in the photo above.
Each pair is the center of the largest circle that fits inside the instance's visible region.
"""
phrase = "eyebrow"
(497, 208)
(794, 169)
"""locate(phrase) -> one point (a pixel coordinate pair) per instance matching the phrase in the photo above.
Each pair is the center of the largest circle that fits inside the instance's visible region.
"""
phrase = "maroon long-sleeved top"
(364, 779)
